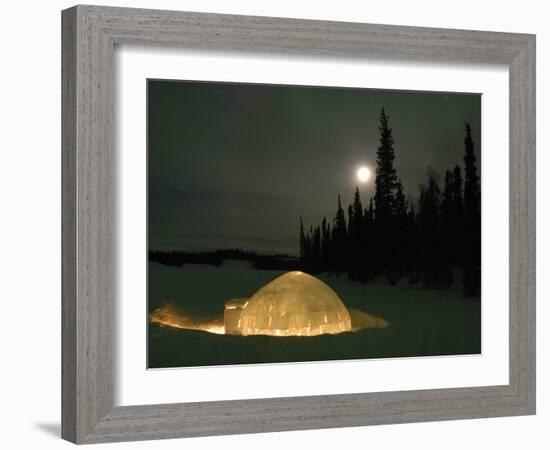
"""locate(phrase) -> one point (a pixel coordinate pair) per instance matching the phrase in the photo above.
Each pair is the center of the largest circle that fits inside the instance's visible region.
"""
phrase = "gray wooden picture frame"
(89, 37)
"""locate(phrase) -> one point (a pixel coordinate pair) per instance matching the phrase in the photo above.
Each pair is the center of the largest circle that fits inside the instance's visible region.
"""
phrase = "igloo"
(294, 304)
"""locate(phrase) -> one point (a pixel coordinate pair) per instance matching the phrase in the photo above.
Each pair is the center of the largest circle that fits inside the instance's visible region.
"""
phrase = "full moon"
(363, 174)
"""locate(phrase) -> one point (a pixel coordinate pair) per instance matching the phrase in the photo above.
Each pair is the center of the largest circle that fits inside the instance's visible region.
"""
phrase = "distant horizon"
(216, 243)
(211, 249)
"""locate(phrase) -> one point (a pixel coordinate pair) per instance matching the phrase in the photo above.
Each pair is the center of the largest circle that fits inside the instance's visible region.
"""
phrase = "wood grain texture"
(89, 36)
(68, 226)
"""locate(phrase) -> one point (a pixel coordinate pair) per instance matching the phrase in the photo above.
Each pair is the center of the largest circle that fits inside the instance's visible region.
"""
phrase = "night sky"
(236, 165)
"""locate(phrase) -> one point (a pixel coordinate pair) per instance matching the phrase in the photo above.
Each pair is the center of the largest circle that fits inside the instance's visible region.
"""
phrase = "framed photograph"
(241, 180)
(268, 222)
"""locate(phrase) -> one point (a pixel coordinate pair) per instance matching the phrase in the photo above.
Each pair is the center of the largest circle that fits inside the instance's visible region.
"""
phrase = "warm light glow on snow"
(363, 174)
(294, 304)
(167, 315)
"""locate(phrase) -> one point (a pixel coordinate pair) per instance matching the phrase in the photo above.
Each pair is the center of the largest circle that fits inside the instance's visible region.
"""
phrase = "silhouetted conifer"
(452, 216)
(339, 238)
(398, 244)
(369, 237)
(385, 186)
(472, 218)
(302, 242)
(325, 245)
(392, 238)
(429, 232)
(316, 250)
(355, 238)
(386, 178)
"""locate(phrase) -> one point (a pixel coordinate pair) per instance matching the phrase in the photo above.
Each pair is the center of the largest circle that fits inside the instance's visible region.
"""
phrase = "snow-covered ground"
(423, 322)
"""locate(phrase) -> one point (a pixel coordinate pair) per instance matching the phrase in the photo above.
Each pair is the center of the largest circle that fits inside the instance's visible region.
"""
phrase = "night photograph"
(301, 223)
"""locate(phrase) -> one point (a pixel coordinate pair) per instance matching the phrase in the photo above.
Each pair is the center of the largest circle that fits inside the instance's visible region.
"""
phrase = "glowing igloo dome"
(294, 304)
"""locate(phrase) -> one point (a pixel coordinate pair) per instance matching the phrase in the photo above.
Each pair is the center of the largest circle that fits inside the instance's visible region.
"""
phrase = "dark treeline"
(390, 238)
(177, 258)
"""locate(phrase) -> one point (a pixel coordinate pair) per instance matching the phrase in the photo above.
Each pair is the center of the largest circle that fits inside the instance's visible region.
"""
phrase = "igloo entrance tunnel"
(294, 304)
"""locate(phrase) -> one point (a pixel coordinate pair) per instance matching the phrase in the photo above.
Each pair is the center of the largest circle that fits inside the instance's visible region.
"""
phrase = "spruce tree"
(413, 247)
(340, 219)
(325, 244)
(357, 207)
(452, 212)
(303, 244)
(398, 243)
(370, 212)
(472, 192)
(447, 191)
(399, 204)
(457, 190)
(472, 218)
(339, 238)
(386, 178)
(429, 232)
(316, 250)
(371, 249)
(447, 228)
(385, 186)
(355, 238)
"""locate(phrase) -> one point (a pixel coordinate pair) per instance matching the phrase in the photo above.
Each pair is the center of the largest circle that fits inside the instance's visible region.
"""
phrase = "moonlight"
(363, 174)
